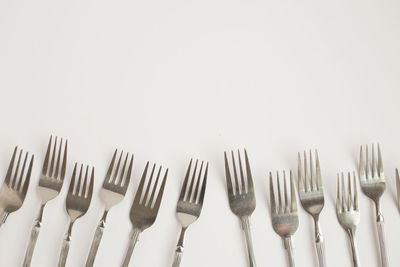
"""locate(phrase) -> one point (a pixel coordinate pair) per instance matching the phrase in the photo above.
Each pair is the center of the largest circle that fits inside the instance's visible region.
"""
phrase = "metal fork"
(77, 204)
(242, 200)
(14, 188)
(50, 183)
(112, 192)
(372, 181)
(285, 220)
(189, 205)
(311, 194)
(348, 213)
(144, 209)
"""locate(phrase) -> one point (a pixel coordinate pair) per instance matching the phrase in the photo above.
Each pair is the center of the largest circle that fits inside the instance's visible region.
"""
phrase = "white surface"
(170, 80)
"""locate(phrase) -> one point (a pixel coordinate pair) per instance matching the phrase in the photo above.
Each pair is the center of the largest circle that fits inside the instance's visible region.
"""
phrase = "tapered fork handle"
(354, 250)
(34, 236)
(287, 242)
(133, 240)
(65, 247)
(179, 249)
(382, 242)
(95, 244)
(246, 228)
(319, 244)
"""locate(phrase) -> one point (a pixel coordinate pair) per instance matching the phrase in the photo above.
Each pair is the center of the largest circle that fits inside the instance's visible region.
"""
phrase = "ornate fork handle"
(354, 249)
(319, 244)
(65, 247)
(34, 236)
(382, 242)
(179, 249)
(134, 239)
(246, 228)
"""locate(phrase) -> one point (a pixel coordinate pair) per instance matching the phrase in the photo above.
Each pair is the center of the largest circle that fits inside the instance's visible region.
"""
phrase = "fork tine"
(53, 158)
(128, 174)
(196, 190)
(286, 209)
(300, 173)
(185, 181)
(27, 177)
(150, 202)
(235, 174)
(344, 205)
(10, 168)
(318, 170)
(148, 185)
(121, 175)
(64, 162)
(271, 194)
(280, 206)
(241, 173)
(250, 185)
(203, 186)
(78, 185)
(141, 184)
(21, 177)
(355, 192)
(58, 159)
(46, 159)
(312, 174)
(110, 168)
(306, 174)
(90, 191)
(293, 207)
(189, 194)
(228, 176)
(367, 163)
(72, 183)
(361, 168)
(380, 165)
(350, 195)
(114, 180)
(14, 180)
(160, 193)
(373, 164)
(83, 194)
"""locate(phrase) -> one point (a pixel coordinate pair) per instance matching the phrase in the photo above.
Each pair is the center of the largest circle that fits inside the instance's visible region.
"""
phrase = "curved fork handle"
(246, 228)
(134, 239)
(382, 243)
(95, 244)
(31, 246)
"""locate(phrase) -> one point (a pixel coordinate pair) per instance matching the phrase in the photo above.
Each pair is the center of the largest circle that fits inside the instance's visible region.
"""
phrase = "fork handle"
(179, 249)
(246, 228)
(287, 242)
(382, 242)
(65, 247)
(319, 244)
(34, 236)
(354, 250)
(134, 238)
(96, 240)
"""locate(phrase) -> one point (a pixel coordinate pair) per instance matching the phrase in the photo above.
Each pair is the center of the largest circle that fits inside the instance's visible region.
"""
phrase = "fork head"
(191, 201)
(52, 176)
(311, 192)
(78, 199)
(145, 208)
(15, 187)
(242, 200)
(285, 220)
(372, 177)
(114, 185)
(347, 210)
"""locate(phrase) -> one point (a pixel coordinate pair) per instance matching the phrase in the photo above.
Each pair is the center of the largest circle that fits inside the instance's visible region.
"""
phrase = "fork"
(189, 205)
(348, 213)
(372, 181)
(50, 183)
(285, 220)
(311, 194)
(242, 200)
(112, 192)
(77, 204)
(144, 209)
(14, 188)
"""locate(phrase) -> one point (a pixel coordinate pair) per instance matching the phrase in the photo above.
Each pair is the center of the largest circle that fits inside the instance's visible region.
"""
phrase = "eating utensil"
(242, 200)
(50, 183)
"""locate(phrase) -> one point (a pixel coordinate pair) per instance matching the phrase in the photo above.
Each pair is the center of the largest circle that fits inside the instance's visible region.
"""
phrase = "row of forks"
(284, 215)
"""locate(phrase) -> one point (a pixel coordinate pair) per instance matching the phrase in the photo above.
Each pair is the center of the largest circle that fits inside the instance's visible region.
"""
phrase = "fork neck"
(379, 216)
(180, 247)
(69, 232)
(317, 227)
(103, 220)
(38, 221)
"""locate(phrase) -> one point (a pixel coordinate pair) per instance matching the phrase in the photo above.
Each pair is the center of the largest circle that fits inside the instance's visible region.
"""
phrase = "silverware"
(14, 188)
(311, 194)
(144, 209)
(348, 213)
(242, 200)
(285, 220)
(372, 181)
(50, 183)
(77, 204)
(112, 192)
(189, 205)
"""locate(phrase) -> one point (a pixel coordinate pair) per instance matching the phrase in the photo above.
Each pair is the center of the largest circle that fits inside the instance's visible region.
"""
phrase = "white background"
(171, 80)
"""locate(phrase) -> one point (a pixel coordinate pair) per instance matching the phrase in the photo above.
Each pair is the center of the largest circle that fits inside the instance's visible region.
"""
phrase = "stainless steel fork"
(112, 192)
(77, 204)
(285, 220)
(242, 200)
(373, 184)
(144, 209)
(311, 195)
(348, 213)
(50, 183)
(14, 188)
(189, 205)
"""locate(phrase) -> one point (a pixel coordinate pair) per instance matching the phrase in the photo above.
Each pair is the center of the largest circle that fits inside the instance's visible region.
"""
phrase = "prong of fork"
(185, 182)
(293, 207)
(128, 174)
(306, 174)
(18, 187)
(114, 180)
(361, 169)
(157, 203)
(241, 173)
(285, 193)
(83, 193)
(196, 190)
(272, 194)
(150, 202)
(46, 159)
(380, 165)
(350, 195)
(312, 174)
(318, 171)
(280, 206)
(144, 200)
(78, 185)
(121, 175)
(53, 158)
(141, 185)
(203, 186)
(91, 184)
(14, 180)
(228, 176)
(189, 194)
(344, 204)
(250, 185)
(107, 179)
(355, 192)
(72, 183)
(300, 174)
(235, 175)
